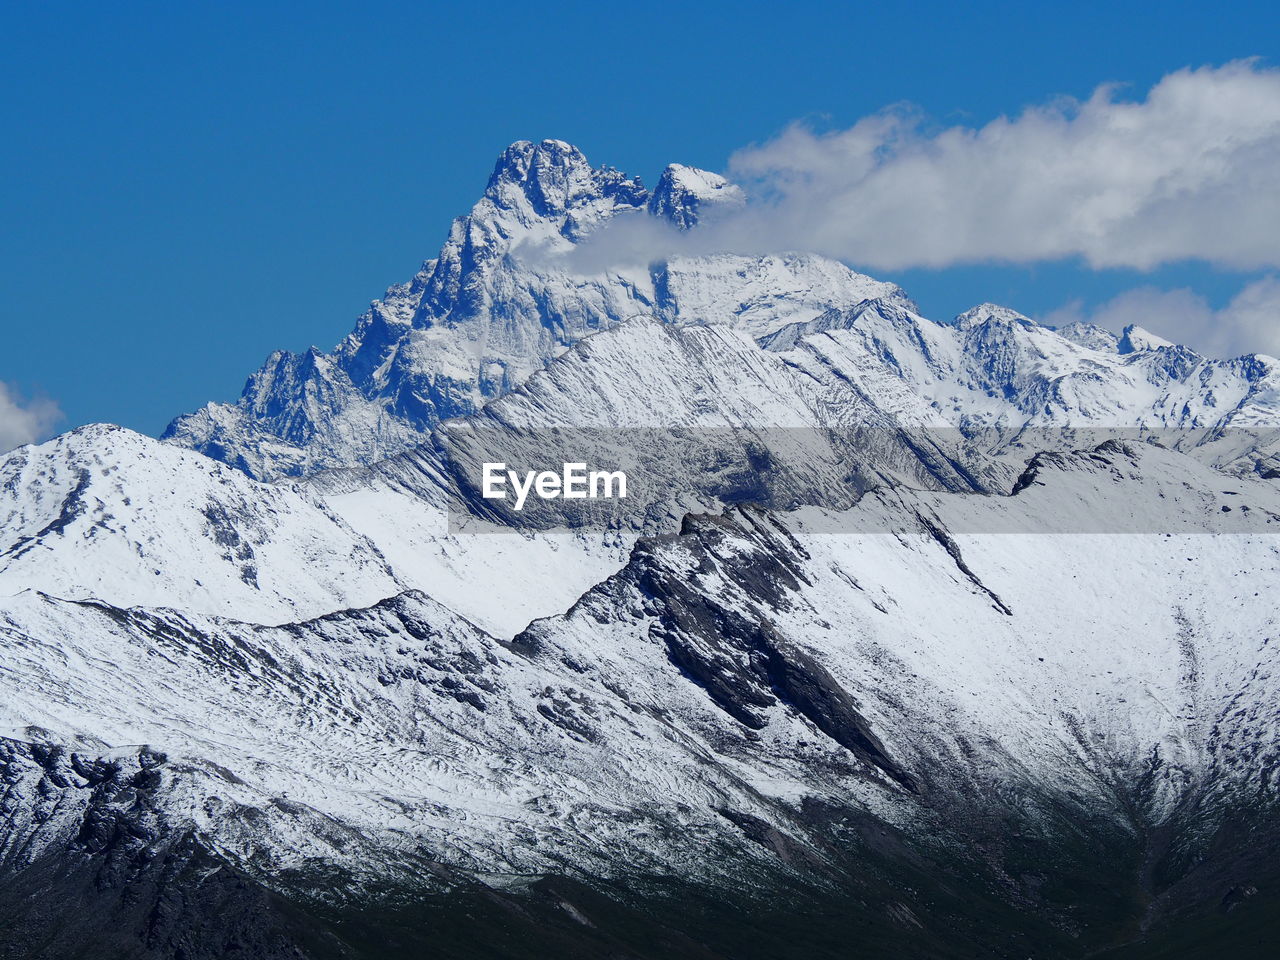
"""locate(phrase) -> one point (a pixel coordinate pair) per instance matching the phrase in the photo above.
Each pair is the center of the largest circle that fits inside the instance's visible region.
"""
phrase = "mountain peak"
(525, 159)
(554, 176)
(1090, 335)
(683, 194)
(1134, 339)
(985, 312)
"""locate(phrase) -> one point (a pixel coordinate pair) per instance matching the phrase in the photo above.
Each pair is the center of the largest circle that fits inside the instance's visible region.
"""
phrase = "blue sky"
(186, 187)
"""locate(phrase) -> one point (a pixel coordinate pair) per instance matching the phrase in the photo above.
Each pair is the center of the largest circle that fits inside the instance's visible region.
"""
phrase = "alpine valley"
(916, 639)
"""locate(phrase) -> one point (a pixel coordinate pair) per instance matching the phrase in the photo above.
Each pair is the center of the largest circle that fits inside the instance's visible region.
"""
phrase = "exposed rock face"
(686, 196)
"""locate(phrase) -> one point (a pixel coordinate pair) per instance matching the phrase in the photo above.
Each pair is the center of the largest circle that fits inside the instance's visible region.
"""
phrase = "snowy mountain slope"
(1114, 619)
(493, 307)
(699, 417)
(721, 704)
(495, 577)
(976, 721)
(105, 512)
(1001, 378)
(497, 304)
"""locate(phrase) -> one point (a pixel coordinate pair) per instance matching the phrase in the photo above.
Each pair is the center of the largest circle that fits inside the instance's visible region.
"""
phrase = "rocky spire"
(684, 195)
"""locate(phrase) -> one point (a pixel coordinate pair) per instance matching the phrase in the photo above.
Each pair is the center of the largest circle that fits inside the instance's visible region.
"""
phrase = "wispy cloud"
(1191, 171)
(1250, 323)
(24, 421)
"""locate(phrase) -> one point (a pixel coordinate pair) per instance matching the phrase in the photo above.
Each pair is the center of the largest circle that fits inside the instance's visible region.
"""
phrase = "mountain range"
(914, 638)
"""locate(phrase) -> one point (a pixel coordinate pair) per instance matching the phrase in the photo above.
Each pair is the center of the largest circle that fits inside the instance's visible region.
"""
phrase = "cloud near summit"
(1189, 172)
(24, 422)
(1250, 322)
(1192, 171)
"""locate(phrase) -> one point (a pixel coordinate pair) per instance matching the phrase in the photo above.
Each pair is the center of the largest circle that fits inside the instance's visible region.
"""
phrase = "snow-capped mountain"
(686, 195)
(912, 638)
(496, 305)
(998, 377)
(748, 707)
(103, 513)
(479, 319)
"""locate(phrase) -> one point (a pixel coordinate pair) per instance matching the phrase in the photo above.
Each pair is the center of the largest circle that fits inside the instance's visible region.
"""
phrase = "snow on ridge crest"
(685, 194)
(985, 312)
(103, 512)
(552, 177)
(480, 319)
(1135, 339)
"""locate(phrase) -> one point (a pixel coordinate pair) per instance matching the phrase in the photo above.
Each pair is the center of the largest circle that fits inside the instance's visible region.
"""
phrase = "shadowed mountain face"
(916, 639)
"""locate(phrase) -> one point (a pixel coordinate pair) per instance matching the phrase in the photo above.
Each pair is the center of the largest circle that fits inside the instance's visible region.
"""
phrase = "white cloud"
(1190, 172)
(24, 422)
(1250, 323)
